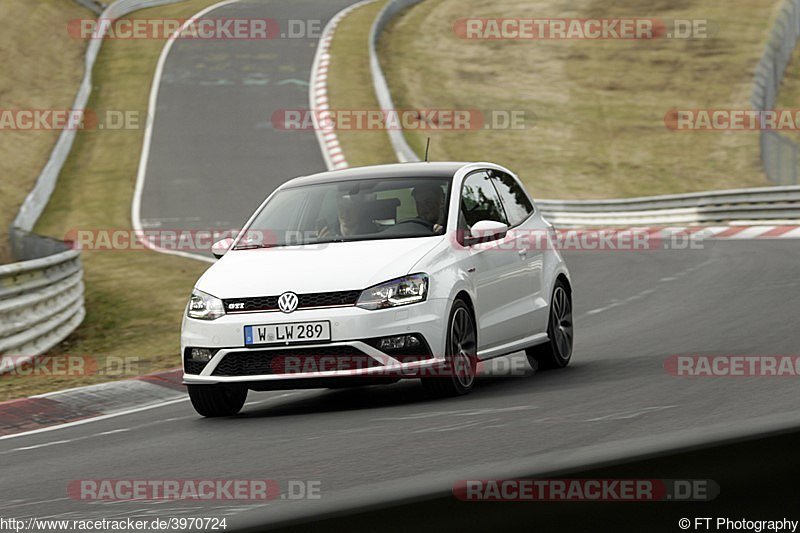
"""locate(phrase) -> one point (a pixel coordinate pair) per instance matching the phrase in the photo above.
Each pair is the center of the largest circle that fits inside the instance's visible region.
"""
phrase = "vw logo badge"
(287, 302)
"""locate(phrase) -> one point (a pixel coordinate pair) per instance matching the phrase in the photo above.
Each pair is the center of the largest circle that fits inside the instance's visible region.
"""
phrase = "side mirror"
(220, 248)
(485, 231)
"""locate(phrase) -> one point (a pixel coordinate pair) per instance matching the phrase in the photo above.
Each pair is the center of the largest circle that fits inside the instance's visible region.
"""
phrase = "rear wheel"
(556, 352)
(216, 400)
(461, 358)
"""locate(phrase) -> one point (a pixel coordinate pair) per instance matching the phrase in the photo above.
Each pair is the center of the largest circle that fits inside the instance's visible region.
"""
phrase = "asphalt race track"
(214, 154)
(634, 309)
(214, 158)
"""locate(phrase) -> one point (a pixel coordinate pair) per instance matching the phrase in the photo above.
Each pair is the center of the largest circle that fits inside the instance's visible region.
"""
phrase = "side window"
(479, 201)
(516, 203)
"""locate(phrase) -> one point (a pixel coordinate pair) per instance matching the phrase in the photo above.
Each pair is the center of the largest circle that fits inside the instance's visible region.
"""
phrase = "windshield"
(354, 210)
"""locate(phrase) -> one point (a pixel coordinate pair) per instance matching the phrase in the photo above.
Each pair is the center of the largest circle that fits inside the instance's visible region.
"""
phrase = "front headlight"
(204, 306)
(401, 291)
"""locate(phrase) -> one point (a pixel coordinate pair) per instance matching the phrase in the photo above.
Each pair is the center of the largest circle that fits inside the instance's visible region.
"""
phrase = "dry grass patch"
(134, 300)
(599, 106)
(43, 67)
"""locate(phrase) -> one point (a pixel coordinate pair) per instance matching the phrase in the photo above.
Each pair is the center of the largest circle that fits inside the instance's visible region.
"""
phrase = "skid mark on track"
(635, 413)
(459, 412)
(450, 427)
(13, 504)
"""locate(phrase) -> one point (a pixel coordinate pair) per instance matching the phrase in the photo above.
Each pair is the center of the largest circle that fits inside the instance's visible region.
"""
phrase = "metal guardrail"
(41, 296)
(401, 147)
(779, 154)
(94, 5)
(755, 205)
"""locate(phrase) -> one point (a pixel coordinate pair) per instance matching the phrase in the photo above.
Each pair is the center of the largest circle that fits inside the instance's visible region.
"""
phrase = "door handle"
(523, 254)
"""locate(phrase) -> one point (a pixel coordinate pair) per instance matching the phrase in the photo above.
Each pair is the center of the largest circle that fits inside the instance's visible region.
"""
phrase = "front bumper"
(350, 327)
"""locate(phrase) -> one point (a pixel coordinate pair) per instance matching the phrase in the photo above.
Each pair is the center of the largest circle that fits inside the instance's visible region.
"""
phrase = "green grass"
(43, 67)
(595, 109)
(135, 299)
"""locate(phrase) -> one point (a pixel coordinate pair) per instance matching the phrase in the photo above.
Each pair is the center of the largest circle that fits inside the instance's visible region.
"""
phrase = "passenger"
(430, 205)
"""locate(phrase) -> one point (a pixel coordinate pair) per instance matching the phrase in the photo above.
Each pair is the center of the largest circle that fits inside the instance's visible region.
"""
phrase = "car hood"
(303, 269)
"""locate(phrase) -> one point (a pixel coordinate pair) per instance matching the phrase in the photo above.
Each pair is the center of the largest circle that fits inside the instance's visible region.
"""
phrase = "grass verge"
(350, 86)
(599, 106)
(134, 300)
(44, 67)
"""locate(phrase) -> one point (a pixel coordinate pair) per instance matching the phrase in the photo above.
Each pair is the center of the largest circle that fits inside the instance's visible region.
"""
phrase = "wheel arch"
(466, 298)
(565, 280)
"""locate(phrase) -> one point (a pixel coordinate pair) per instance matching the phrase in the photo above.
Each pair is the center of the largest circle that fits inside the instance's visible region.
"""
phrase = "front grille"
(294, 361)
(328, 299)
(305, 301)
(194, 367)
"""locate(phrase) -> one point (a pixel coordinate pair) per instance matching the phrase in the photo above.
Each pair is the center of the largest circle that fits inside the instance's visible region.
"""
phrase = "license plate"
(287, 333)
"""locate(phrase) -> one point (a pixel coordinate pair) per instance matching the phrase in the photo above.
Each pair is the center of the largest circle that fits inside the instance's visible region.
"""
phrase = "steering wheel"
(420, 221)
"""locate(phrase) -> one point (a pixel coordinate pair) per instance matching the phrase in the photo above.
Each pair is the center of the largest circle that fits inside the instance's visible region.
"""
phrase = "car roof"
(396, 170)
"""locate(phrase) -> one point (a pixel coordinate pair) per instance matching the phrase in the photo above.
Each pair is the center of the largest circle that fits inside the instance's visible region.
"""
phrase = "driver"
(430, 205)
(350, 220)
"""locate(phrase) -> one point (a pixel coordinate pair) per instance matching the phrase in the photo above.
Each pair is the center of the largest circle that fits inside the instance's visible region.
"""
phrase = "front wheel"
(217, 400)
(556, 352)
(461, 358)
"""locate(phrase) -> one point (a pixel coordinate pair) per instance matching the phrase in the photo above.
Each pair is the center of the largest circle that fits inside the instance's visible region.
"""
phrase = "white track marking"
(95, 419)
(112, 432)
(639, 295)
(752, 232)
(318, 91)
(793, 234)
(713, 230)
(710, 232)
(317, 97)
(136, 205)
(135, 410)
(43, 445)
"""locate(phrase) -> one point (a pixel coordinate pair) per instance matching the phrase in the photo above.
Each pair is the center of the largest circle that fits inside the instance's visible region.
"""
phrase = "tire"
(216, 400)
(461, 356)
(557, 351)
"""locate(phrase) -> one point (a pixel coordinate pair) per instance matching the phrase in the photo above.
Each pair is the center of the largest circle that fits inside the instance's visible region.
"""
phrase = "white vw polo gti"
(374, 274)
